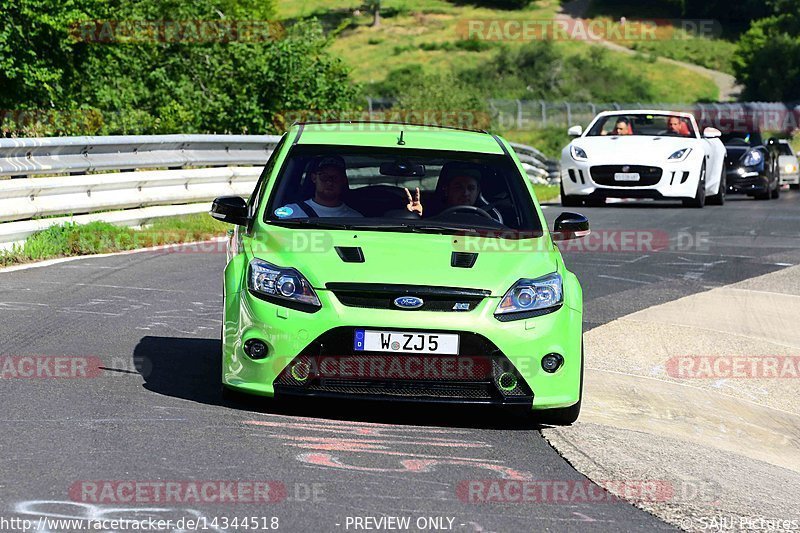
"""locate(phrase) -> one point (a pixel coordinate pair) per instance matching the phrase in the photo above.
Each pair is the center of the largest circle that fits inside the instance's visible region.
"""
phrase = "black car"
(752, 165)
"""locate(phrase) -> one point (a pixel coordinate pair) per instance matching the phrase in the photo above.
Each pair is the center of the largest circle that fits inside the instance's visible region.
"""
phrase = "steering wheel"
(466, 209)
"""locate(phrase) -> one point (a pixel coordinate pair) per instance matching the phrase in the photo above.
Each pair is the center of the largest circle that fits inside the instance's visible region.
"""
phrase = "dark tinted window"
(458, 190)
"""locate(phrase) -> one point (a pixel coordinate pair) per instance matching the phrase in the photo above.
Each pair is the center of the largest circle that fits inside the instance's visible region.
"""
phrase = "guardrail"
(102, 184)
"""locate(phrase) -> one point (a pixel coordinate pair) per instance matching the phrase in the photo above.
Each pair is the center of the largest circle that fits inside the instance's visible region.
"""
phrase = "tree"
(160, 85)
(375, 7)
(767, 59)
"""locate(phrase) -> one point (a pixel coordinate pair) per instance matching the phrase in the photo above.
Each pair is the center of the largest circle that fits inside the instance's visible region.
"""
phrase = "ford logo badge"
(408, 302)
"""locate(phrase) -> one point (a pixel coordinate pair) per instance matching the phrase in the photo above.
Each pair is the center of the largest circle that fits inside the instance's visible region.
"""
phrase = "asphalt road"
(154, 410)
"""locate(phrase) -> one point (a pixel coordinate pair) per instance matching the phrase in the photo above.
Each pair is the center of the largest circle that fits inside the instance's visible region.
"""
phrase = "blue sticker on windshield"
(283, 212)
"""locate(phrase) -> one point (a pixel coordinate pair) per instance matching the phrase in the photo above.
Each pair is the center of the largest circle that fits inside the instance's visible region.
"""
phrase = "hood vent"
(350, 254)
(463, 259)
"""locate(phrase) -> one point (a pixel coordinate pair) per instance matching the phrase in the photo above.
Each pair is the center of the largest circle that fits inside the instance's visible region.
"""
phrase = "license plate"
(626, 176)
(405, 341)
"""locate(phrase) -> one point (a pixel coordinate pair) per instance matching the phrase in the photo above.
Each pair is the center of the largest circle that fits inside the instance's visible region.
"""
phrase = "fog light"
(552, 362)
(255, 349)
(300, 371)
(507, 381)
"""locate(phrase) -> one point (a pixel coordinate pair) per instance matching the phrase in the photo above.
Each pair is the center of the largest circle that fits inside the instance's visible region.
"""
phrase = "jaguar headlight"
(578, 153)
(284, 286)
(680, 155)
(530, 297)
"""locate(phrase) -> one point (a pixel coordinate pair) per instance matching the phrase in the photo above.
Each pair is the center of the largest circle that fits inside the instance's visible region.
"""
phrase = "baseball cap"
(328, 161)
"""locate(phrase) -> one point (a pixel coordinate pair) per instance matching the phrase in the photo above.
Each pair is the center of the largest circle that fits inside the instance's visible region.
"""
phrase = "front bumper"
(746, 183)
(673, 180)
(291, 335)
(790, 179)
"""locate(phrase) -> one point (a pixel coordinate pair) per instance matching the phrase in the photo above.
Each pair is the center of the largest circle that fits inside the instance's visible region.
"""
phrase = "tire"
(719, 198)
(596, 202)
(794, 186)
(234, 396)
(563, 416)
(777, 192)
(764, 195)
(699, 199)
(568, 200)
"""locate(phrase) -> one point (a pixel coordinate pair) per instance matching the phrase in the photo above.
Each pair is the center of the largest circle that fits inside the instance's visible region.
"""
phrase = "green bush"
(767, 59)
(161, 87)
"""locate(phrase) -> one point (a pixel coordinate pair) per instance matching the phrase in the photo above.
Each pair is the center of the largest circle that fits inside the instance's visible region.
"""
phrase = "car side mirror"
(230, 209)
(712, 133)
(575, 131)
(570, 226)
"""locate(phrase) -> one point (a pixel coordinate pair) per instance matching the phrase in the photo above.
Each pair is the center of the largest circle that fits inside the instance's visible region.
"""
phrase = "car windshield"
(784, 149)
(376, 188)
(741, 138)
(642, 124)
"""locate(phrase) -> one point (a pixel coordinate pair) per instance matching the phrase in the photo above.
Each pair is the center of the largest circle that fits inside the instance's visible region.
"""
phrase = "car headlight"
(284, 286)
(680, 155)
(752, 158)
(529, 297)
(790, 168)
(578, 153)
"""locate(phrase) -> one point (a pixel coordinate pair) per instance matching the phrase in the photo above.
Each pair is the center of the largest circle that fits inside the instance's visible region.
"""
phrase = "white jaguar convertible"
(643, 154)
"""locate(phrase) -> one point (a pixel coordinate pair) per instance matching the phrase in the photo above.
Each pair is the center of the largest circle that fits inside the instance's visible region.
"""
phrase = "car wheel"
(568, 200)
(235, 397)
(563, 416)
(595, 202)
(699, 199)
(794, 186)
(777, 192)
(719, 198)
(763, 195)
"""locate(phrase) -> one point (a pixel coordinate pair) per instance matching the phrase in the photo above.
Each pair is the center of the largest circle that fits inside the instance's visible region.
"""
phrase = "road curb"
(734, 441)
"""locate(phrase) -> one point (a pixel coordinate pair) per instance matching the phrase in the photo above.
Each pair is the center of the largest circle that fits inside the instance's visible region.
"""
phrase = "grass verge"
(68, 240)
(545, 193)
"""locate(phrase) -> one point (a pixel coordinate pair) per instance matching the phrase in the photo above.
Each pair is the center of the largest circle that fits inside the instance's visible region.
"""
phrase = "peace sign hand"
(414, 204)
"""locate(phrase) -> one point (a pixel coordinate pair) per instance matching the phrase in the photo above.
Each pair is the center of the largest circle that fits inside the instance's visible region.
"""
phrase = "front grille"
(421, 389)
(382, 296)
(330, 366)
(604, 175)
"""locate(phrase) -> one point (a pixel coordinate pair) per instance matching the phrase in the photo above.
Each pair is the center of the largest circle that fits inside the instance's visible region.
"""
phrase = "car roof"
(388, 135)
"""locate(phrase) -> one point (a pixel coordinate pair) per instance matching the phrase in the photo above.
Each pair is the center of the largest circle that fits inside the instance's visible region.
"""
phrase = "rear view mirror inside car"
(402, 168)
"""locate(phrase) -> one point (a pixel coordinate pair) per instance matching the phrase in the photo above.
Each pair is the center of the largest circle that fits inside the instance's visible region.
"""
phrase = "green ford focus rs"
(397, 262)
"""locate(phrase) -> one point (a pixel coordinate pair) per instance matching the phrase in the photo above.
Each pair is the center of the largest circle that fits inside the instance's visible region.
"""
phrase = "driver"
(675, 126)
(458, 185)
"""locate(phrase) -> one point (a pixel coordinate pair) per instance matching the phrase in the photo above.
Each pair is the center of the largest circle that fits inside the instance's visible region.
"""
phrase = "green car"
(380, 261)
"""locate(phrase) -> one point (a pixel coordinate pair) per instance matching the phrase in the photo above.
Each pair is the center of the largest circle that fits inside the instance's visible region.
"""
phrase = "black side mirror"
(570, 226)
(230, 209)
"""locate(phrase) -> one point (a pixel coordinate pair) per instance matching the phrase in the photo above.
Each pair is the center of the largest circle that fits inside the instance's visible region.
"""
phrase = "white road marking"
(623, 279)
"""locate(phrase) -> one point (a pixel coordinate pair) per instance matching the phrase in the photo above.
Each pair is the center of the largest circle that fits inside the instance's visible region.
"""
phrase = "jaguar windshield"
(643, 124)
